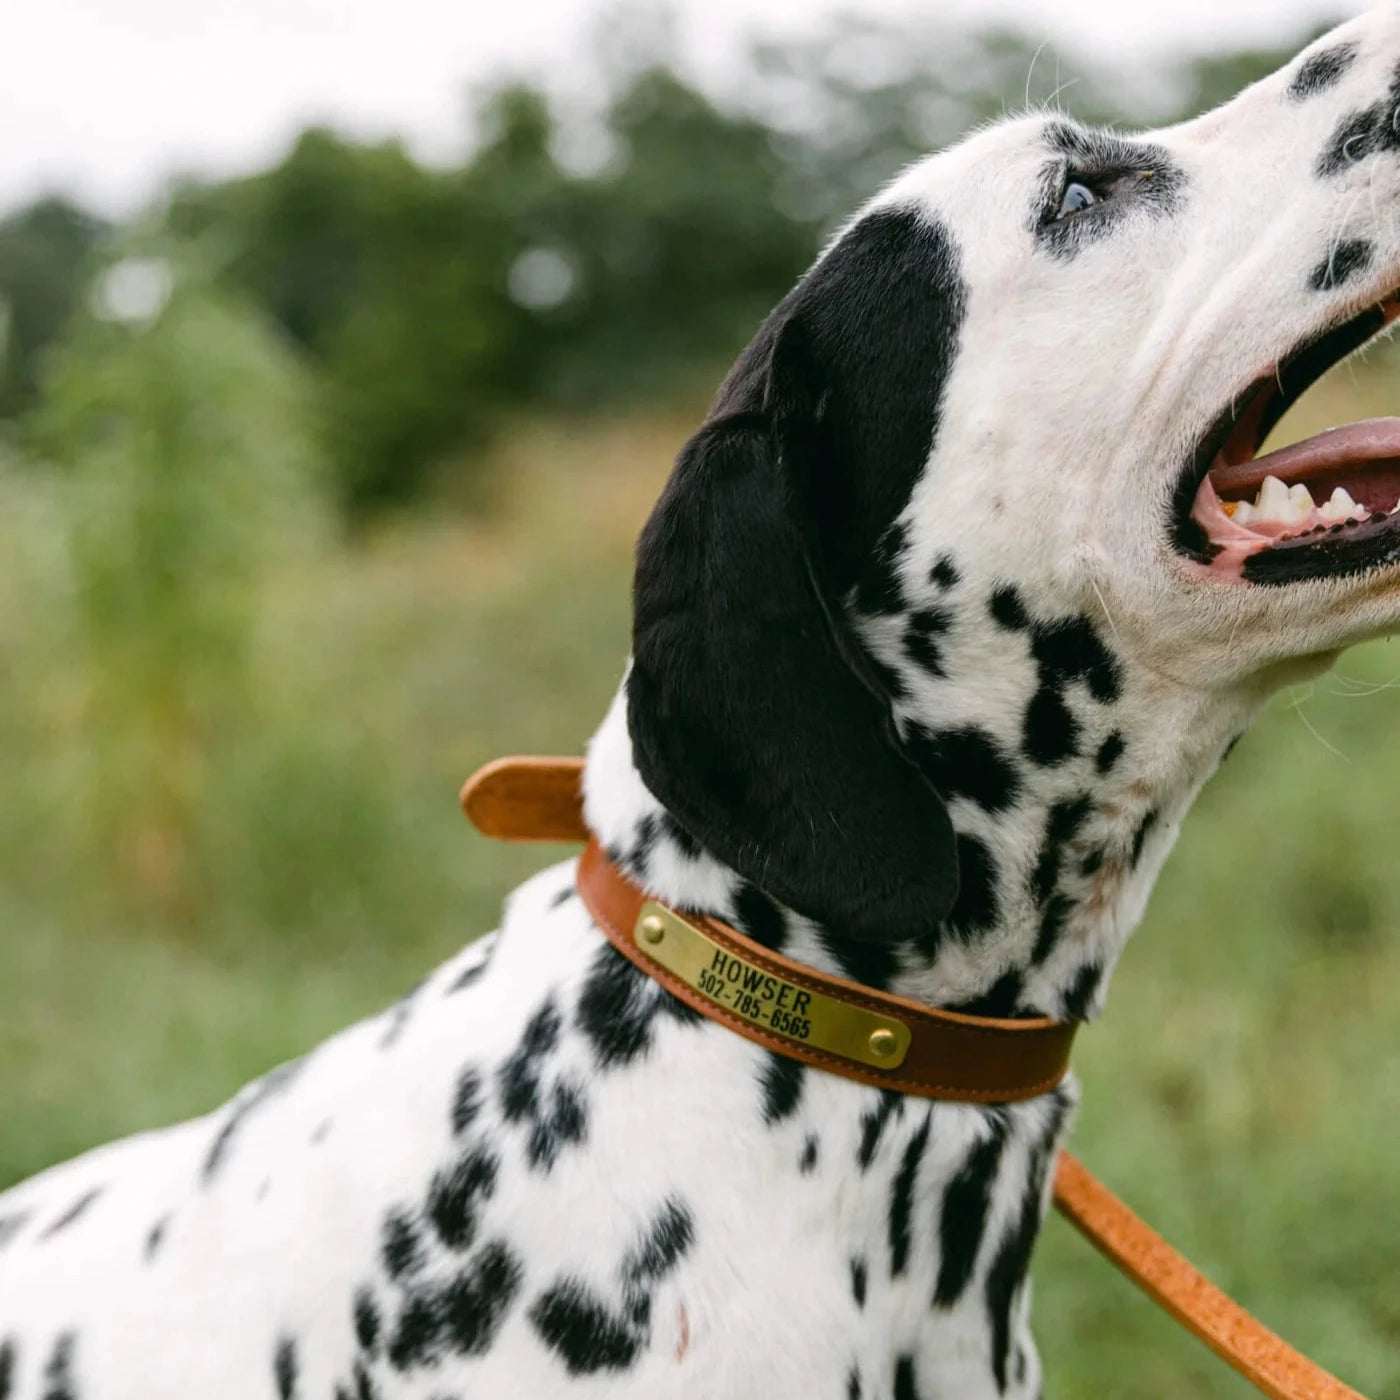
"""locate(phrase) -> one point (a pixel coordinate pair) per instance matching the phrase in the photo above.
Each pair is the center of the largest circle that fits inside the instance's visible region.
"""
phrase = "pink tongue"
(1371, 444)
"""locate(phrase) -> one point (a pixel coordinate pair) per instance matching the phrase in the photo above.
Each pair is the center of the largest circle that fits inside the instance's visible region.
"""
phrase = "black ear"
(755, 716)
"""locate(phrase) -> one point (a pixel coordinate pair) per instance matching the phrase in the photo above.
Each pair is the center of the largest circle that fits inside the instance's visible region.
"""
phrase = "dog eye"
(1077, 198)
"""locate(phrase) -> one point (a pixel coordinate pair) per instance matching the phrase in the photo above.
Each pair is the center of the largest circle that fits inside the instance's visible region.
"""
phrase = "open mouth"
(1320, 508)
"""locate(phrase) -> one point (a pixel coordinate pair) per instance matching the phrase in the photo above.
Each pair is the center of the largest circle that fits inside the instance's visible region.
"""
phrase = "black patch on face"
(1050, 734)
(74, 1212)
(7, 1367)
(1141, 834)
(872, 1125)
(902, 1197)
(268, 1087)
(977, 907)
(562, 897)
(401, 1244)
(944, 573)
(1082, 991)
(1110, 751)
(1063, 825)
(1008, 610)
(58, 1372)
(965, 762)
(859, 1278)
(1071, 650)
(1092, 863)
(810, 1149)
(782, 1087)
(1008, 1268)
(963, 1219)
(759, 917)
(1052, 920)
(588, 1333)
(1367, 132)
(618, 1005)
(466, 1100)
(880, 592)
(456, 1196)
(155, 1237)
(1345, 261)
(1321, 71)
(1130, 177)
(460, 1316)
(781, 515)
(284, 1368)
(906, 1385)
(368, 1322)
(1000, 999)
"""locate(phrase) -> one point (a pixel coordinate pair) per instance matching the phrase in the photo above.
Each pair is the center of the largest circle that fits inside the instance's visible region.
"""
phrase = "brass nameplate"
(767, 1000)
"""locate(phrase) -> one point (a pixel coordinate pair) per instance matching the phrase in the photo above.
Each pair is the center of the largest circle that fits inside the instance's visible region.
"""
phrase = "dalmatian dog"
(962, 591)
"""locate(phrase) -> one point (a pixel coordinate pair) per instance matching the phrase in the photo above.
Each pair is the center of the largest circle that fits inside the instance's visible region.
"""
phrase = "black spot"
(759, 917)
(1051, 922)
(58, 1373)
(944, 573)
(902, 1197)
(365, 1389)
(587, 1332)
(618, 1005)
(1009, 610)
(74, 1211)
(1110, 751)
(924, 652)
(563, 1124)
(1050, 734)
(859, 1276)
(1000, 999)
(782, 1087)
(11, 1225)
(7, 1368)
(872, 1125)
(892, 685)
(1342, 263)
(965, 762)
(1141, 834)
(644, 839)
(1362, 133)
(963, 1219)
(462, 1315)
(455, 1197)
(870, 964)
(518, 1079)
(401, 1244)
(930, 621)
(576, 1323)
(252, 1098)
(906, 1387)
(1071, 650)
(466, 1100)
(1008, 1267)
(1092, 863)
(1321, 71)
(808, 1162)
(1082, 991)
(563, 896)
(1062, 826)
(470, 975)
(155, 1237)
(880, 589)
(284, 1368)
(853, 1384)
(976, 908)
(367, 1321)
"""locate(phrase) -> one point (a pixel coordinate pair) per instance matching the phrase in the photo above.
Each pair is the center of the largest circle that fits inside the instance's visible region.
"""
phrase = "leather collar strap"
(540, 799)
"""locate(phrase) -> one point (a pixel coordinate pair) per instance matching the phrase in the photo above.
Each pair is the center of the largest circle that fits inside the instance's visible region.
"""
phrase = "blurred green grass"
(1242, 1091)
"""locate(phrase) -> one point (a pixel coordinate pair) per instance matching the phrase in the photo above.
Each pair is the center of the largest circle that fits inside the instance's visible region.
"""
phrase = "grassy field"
(1243, 1091)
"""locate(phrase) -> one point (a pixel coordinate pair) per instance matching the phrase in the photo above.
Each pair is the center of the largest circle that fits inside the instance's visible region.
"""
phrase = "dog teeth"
(1277, 504)
(1341, 507)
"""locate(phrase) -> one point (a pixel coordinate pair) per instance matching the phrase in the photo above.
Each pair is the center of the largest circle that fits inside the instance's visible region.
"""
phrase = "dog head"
(1033, 376)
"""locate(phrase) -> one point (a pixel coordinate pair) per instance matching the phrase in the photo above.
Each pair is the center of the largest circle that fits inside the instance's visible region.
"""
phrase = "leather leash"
(540, 799)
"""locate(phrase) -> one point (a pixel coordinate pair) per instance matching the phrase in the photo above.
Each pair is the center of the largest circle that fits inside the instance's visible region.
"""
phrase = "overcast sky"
(104, 98)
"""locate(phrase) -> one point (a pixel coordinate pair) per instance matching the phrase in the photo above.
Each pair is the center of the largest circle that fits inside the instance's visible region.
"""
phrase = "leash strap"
(540, 799)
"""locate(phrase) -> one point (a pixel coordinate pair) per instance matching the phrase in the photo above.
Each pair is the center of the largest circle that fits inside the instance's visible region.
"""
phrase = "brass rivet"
(653, 930)
(883, 1044)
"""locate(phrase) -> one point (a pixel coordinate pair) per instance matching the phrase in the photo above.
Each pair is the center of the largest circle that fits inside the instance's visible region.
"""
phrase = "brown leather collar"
(540, 799)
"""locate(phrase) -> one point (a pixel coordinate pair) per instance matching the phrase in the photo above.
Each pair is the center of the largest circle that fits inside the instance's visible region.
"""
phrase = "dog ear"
(755, 716)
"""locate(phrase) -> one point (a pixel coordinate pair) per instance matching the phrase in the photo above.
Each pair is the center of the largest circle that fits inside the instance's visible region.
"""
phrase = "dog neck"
(1066, 791)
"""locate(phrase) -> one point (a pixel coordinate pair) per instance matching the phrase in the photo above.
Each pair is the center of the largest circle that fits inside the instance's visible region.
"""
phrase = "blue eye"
(1077, 198)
